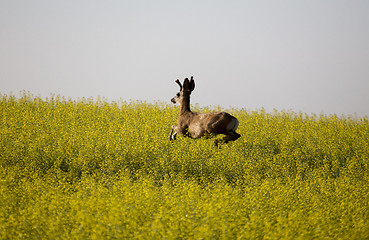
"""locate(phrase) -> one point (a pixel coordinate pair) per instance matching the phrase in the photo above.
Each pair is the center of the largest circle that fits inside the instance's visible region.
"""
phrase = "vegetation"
(90, 169)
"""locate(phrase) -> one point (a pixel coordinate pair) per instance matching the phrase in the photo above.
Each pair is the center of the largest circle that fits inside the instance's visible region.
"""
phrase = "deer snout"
(173, 100)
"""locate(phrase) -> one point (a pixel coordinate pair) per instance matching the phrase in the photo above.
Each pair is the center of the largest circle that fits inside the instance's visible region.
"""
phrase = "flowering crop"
(89, 169)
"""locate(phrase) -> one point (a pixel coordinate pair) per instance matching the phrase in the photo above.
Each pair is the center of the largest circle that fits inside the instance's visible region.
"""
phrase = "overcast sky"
(310, 56)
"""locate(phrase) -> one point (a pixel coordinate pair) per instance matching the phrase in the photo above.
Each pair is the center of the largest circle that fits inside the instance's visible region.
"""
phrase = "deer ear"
(179, 83)
(192, 84)
(186, 84)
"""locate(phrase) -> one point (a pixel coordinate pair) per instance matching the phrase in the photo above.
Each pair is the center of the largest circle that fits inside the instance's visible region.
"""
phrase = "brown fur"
(197, 125)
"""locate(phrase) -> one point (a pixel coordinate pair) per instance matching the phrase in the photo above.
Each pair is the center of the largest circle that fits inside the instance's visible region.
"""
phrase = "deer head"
(184, 91)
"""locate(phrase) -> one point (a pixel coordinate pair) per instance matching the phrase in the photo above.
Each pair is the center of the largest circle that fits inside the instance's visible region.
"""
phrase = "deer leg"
(230, 136)
(173, 133)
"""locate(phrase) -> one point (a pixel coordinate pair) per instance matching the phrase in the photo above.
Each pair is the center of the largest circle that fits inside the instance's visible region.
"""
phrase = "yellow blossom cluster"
(93, 169)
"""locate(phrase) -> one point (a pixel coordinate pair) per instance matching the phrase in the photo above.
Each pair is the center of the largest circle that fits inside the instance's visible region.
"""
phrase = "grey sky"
(309, 56)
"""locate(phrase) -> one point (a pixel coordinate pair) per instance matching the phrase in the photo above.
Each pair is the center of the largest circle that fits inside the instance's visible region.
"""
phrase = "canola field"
(93, 169)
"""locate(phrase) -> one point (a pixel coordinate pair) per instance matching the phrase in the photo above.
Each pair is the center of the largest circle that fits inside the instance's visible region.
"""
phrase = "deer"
(196, 125)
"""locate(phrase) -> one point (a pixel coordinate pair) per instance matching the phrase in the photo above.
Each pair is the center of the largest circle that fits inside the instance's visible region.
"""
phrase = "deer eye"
(178, 94)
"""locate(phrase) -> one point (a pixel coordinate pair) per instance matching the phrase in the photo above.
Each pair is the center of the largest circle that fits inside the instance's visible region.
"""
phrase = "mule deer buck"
(196, 125)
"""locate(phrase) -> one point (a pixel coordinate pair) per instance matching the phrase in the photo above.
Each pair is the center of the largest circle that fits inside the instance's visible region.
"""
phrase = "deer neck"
(185, 105)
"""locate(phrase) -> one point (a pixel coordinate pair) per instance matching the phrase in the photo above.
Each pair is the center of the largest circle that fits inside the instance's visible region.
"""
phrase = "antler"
(179, 83)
